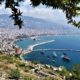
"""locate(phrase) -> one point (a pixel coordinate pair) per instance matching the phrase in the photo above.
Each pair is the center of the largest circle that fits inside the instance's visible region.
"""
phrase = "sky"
(42, 12)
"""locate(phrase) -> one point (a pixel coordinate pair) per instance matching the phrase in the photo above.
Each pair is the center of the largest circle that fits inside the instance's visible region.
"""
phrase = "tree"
(70, 7)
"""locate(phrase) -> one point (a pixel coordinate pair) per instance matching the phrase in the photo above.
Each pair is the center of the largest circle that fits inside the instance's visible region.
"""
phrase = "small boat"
(53, 60)
(66, 58)
(48, 57)
(21, 39)
(34, 39)
(64, 53)
(54, 54)
(42, 53)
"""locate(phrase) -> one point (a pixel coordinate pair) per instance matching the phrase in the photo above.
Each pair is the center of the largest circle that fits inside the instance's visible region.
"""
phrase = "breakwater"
(57, 50)
(30, 48)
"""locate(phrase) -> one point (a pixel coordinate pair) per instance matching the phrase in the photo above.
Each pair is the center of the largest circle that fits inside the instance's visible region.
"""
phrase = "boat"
(42, 53)
(64, 53)
(48, 57)
(65, 57)
(53, 60)
(54, 54)
(34, 38)
(21, 39)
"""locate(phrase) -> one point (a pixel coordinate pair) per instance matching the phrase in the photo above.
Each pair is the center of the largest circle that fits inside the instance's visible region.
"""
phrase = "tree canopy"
(70, 7)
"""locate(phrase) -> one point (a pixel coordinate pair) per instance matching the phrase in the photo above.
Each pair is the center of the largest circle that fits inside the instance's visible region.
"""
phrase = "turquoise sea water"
(61, 42)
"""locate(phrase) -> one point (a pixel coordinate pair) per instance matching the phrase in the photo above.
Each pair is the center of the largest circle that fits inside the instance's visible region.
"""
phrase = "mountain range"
(31, 23)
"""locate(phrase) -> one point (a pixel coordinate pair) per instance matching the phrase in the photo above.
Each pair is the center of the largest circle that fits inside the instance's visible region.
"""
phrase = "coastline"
(30, 48)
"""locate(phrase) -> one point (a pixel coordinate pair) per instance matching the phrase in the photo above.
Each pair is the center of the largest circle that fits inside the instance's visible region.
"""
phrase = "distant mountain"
(39, 24)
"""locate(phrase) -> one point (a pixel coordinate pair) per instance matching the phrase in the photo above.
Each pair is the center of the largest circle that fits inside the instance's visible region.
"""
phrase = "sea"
(58, 44)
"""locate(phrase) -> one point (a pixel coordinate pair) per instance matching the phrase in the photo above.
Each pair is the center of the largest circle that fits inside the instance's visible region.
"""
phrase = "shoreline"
(30, 48)
(45, 42)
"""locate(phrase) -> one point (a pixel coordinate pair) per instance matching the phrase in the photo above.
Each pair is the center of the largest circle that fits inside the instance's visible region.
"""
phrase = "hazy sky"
(38, 12)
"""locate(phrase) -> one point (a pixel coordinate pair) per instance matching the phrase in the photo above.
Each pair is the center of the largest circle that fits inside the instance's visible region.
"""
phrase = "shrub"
(14, 74)
(76, 71)
(27, 78)
(26, 69)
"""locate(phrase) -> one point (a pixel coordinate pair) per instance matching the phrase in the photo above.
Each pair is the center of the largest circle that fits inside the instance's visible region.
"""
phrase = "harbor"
(43, 52)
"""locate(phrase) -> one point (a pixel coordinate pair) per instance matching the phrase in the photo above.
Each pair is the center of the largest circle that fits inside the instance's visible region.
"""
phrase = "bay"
(67, 42)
